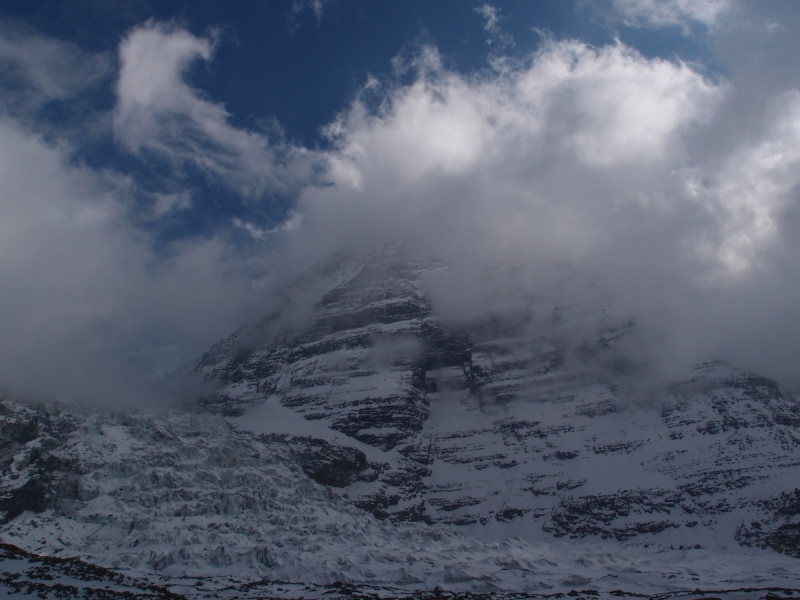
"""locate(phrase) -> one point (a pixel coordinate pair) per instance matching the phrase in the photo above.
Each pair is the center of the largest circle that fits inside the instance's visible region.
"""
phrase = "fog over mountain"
(648, 190)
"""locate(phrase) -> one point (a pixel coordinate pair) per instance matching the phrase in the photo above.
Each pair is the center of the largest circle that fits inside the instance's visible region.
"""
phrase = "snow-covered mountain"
(486, 426)
(363, 446)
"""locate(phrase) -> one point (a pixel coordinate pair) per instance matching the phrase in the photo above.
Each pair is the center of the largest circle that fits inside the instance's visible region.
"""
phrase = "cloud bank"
(36, 69)
(88, 305)
(585, 173)
(577, 176)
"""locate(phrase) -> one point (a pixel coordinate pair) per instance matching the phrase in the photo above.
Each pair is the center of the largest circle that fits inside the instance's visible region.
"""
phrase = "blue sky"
(288, 68)
(168, 166)
(301, 64)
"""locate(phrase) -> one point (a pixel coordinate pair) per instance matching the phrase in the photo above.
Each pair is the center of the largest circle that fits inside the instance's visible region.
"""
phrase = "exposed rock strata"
(504, 420)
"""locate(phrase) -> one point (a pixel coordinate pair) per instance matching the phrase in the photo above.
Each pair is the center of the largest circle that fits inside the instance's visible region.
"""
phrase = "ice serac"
(505, 426)
(183, 496)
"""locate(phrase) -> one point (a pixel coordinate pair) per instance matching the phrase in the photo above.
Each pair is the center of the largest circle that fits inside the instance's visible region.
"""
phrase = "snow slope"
(188, 503)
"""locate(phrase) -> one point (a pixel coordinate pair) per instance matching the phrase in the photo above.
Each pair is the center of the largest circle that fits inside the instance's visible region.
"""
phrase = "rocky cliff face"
(487, 426)
(323, 370)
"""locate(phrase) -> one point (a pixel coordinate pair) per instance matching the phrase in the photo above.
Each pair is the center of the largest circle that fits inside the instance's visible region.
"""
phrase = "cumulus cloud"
(81, 288)
(749, 194)
(575, 179)
(519, 139)
(602, 107)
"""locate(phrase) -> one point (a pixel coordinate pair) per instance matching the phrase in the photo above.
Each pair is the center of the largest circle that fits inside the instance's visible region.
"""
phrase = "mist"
(584, 177)
(626, 188)
(590, 177)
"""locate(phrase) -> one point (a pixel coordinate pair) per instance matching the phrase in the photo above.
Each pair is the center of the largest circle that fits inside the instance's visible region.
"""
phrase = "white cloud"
(41, 69)
(602, 107)
(580, 175)
(577, 177)
(157, 111)
(492, 18)
(612, 105)
(80, 286)
(317, 7)
(565, 170)
(660, 13)
(753, 188)
(169, 203)
(292, 223)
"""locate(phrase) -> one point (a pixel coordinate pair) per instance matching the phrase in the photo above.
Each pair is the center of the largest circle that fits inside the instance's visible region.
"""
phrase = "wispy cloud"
(579, 172)
(160, 113)
(661, 13)
(293, 222)
(317, 8)
(36, 69)
(495, 33)
(82, 287)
